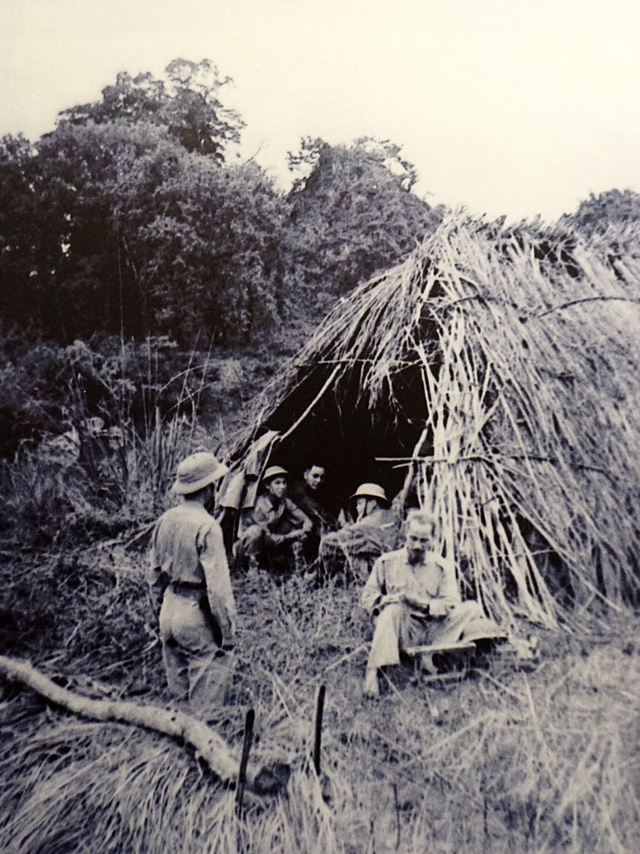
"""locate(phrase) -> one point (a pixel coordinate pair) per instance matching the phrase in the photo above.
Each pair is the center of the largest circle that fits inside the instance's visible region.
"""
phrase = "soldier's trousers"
(396, 629)
(198, 673)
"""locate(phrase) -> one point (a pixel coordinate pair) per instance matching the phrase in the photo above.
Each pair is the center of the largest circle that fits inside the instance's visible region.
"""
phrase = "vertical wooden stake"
(397, 806)
(485, 813)
(246, 747)
(318, 734)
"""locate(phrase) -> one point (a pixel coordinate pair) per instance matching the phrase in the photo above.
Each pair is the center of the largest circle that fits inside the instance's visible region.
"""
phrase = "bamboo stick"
(317, 744)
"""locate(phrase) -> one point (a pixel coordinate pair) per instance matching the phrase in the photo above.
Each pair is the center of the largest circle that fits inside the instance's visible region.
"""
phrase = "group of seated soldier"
(411, 592)
(307, 523)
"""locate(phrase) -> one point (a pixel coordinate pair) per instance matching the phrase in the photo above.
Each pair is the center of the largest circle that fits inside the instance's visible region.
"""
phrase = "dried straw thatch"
(493, 377)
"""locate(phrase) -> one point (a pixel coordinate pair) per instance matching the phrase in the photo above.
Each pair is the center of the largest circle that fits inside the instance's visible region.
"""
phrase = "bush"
(92, 436)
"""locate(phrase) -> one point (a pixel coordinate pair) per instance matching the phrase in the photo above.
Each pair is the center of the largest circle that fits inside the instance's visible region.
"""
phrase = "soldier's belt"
(190, 589)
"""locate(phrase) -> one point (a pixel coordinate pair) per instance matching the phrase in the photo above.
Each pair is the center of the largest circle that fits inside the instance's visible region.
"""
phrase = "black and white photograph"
(320, 427)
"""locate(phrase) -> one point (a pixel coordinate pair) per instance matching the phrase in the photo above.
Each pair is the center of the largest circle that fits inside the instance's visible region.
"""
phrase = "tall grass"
(109, 466)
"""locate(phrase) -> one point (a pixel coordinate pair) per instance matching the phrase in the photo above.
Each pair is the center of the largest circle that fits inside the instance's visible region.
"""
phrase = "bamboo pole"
(210, 746)
(309, 408)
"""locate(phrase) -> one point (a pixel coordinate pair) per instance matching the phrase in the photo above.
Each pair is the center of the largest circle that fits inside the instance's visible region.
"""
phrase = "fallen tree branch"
(211, 747)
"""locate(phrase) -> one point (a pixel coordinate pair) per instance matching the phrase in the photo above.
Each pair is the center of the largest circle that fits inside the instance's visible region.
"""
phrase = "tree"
(187, 103)
(144, 237)
(307, 162)
(194, 113)
(82, 265)
(596, 213)
(211, 254)
(354, 210)
(125, 219)
(18, 231)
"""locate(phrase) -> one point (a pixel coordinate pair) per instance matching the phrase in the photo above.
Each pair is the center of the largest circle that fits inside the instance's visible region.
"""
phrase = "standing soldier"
(191, 588)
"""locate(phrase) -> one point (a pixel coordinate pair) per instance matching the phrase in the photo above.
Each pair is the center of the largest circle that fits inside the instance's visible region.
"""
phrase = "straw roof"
(505, 361)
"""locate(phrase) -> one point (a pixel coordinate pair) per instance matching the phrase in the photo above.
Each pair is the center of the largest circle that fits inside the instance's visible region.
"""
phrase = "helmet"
(274, 471)
(197, 471)
(371, 490)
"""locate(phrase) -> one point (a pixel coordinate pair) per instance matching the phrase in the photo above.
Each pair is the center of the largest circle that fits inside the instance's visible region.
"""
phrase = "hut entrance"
(355, 441)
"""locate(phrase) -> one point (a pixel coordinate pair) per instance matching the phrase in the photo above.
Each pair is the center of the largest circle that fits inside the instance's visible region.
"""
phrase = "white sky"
(505, 106)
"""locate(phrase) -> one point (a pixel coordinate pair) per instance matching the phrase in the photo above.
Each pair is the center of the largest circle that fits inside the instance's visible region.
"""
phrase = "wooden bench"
(422, 657)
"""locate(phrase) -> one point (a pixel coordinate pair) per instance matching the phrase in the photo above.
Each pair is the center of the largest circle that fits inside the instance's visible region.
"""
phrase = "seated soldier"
(312, 498)
(352, 550)
(414, 597)
(275, 527)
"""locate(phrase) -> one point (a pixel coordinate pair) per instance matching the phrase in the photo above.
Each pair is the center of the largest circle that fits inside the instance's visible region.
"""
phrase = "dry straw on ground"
(507, 760)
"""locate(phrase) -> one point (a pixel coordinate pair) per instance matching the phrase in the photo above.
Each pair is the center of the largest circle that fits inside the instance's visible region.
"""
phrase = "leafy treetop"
(187, 102)
(596, 213)
(354, 210)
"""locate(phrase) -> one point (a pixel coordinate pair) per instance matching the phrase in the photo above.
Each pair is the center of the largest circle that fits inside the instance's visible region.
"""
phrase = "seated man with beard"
(414, 598)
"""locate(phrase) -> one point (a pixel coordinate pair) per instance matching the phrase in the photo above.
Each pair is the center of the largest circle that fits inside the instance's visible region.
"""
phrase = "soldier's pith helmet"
(197, 471)
(274, 471)
(371, 490)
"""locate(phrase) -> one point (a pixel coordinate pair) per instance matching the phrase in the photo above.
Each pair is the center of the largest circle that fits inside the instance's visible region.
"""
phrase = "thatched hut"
(493, 377)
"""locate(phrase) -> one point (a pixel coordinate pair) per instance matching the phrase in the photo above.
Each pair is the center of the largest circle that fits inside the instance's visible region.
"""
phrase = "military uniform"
(191, 587)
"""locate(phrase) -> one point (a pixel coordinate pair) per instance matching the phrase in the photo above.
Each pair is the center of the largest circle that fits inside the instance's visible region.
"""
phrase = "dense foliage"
(186, 104)
(596, 213)
(129, 218)
(354, 210)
